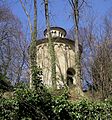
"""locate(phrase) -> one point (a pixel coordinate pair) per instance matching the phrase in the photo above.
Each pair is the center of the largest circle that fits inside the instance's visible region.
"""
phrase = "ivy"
(38, 104)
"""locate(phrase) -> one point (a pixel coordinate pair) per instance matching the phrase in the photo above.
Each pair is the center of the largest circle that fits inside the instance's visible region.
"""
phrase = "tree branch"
(28, 16)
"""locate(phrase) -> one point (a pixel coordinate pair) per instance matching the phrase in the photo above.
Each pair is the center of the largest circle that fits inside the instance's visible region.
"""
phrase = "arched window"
(70, 75)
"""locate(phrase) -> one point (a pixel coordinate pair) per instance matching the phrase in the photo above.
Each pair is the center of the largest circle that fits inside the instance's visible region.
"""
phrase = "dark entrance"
(70, 75)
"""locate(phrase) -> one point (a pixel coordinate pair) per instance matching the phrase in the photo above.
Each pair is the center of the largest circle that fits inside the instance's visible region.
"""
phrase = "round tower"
(65, 58)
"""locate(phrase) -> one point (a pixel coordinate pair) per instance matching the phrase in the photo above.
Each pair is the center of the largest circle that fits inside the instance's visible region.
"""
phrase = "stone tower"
(65, 58)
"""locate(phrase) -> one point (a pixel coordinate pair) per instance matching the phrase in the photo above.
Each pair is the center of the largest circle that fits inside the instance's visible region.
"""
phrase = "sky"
(60, 12)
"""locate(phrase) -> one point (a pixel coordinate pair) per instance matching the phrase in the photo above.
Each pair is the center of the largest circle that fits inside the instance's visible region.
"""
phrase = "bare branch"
(28, 16)
(71, 3)
(83, 1)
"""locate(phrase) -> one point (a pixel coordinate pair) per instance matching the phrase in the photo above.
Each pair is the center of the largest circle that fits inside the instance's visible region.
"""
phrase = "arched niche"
(70, 76)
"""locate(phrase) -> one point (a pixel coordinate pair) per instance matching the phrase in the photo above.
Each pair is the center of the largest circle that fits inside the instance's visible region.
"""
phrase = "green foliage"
(8, 109)
(62, 107)
(38, 104)
(5, 84)
(27, 104)
(82, 110)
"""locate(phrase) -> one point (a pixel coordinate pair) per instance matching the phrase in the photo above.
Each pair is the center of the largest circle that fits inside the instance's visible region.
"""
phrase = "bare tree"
(96, 58)
(33, 32)
(12, 48)
(102, 62)
(76, 5)
(51, 46)
(101, 70)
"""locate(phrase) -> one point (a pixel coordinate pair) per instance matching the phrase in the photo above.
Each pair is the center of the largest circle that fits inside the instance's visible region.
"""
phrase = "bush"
(28, 104)
(38, 104)
(83, 110)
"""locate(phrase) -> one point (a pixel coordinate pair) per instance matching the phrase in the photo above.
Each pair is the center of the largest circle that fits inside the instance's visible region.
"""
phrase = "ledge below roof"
(59, 40)
(56, 39)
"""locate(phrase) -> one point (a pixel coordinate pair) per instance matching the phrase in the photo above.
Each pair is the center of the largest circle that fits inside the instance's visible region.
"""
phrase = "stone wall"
(64, 60)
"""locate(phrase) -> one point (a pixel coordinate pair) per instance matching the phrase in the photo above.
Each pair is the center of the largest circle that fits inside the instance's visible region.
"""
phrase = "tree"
(33, 32)
(102, 62)
(97, 58)
(5, 84)
(76, 5)
(51, 47)
(101, 70)
(12, 46)
(32, 51)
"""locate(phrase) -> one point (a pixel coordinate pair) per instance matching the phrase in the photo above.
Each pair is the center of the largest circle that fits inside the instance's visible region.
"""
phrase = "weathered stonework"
(65, 59)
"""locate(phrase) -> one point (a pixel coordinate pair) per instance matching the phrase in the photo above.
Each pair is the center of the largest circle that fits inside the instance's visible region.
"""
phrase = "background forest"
(22, 98)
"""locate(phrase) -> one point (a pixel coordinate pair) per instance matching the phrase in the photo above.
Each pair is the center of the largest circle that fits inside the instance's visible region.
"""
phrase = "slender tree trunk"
(77, 51)
(51, 47)
(35, 71)
(33, 55)
(35, 19)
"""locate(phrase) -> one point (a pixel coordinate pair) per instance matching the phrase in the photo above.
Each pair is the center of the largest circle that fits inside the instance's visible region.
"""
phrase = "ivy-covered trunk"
(77, 52)
(33, 55)
(33, 62)
(51, 47)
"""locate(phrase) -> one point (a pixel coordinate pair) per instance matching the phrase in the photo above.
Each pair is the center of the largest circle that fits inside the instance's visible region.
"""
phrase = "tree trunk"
(51, 47)
(33, 55)
(77, 51)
